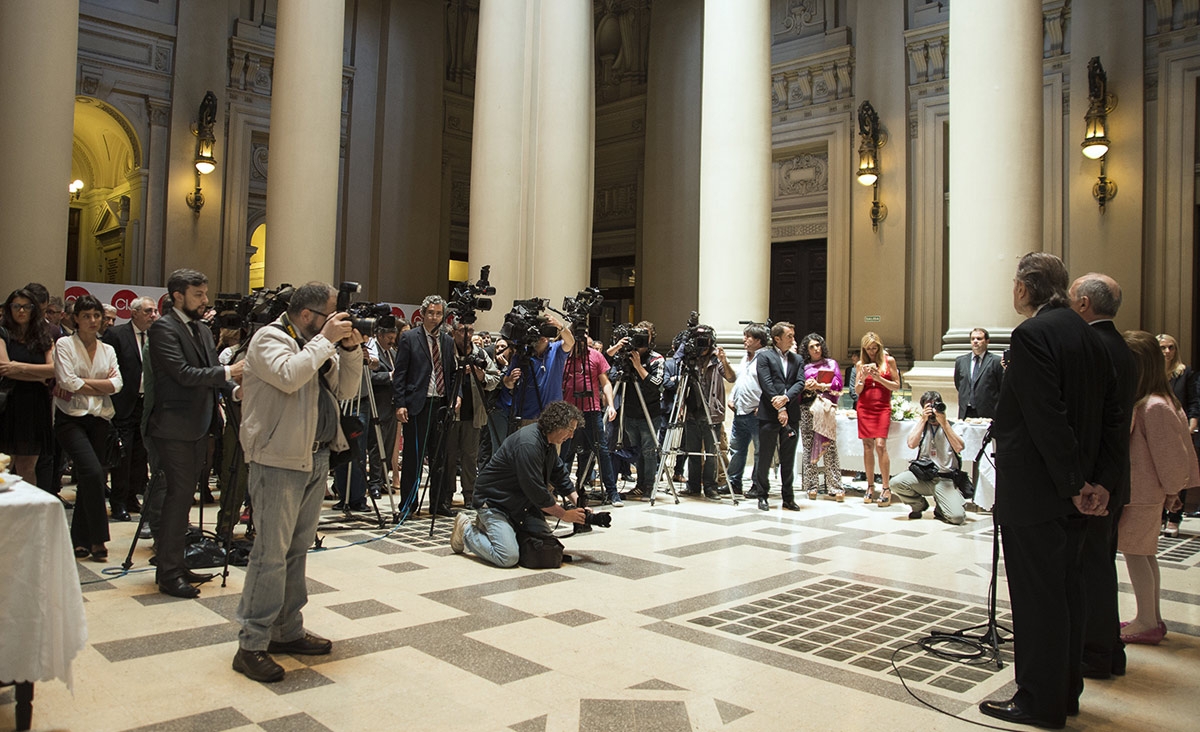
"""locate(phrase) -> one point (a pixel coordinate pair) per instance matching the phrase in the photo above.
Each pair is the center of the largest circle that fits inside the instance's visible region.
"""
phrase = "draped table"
(850, 452)
(42, 625)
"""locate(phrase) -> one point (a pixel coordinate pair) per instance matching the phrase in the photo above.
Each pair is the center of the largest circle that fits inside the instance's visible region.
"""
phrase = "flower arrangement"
(903, 409)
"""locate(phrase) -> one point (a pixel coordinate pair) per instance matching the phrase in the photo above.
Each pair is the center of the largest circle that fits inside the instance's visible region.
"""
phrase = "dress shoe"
(306, 645)
(196, 578)
(65, 503)
(144, 532)
(1150, 637)
(446, 512)
(763, 505)
(257, 665)
(712, 494)
(1008, 711)
(178, 587)
(375, 492)
(791, 505)
(120, 514)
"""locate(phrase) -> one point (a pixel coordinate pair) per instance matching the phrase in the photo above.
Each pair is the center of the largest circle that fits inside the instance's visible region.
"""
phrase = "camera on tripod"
(637, 338)
(698, 344)
(586, 304)
(527, 322)
(466, 298)
(253, 311)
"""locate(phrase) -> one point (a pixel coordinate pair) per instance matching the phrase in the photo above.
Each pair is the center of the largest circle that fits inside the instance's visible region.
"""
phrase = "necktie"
(438, 377)
(974, 366)
(141, 342)
(195, 328)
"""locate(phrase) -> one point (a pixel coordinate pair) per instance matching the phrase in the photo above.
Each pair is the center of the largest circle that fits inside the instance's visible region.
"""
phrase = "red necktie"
(438, 377)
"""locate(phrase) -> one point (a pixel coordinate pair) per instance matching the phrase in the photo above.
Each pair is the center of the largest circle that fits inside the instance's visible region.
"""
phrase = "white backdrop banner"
(119, 296)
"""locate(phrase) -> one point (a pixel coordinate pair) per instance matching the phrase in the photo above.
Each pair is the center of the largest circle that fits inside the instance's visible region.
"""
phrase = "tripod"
(649, 426)
(991, 636)
(358, 460)
(673, 437)
(445, 420)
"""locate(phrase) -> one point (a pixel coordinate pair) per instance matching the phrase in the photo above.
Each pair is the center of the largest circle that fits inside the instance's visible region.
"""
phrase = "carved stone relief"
(803, 17)
(616, 202)
(462, 38)
(460, 198)
(622, 46)
(813, 80)
(805, 174)
(258, 161)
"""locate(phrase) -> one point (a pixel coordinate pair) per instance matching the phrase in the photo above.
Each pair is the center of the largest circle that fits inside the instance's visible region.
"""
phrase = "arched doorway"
(106, 214)
(258, 244)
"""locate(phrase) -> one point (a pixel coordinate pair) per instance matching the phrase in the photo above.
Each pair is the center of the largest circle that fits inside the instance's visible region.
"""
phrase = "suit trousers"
(1102, 646)
(462, 444)
(1043, 566)
(129, 474)
(182, 461)
(83, 438)
(772, 436)
(698, 436)
(420, 439)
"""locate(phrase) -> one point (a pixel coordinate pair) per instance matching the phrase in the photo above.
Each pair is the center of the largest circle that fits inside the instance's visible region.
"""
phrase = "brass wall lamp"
(873, 138)
(205, 142)
(1095, 143)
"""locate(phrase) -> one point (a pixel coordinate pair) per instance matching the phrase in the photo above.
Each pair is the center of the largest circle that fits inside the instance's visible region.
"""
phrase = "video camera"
(585, 304)
(698, 345)
(466, 300)
(527, 322)
(253, 311)
(637, 338)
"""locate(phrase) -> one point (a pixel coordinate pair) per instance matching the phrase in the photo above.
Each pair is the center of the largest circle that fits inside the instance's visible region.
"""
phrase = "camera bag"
(539, 551)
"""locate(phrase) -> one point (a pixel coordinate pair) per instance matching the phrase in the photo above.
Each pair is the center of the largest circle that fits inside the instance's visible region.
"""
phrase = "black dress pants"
(182, 461)
(83, 438)
(1102, 646)
(1043, 566)
(129, 474)
(420, 440)
(772, 436)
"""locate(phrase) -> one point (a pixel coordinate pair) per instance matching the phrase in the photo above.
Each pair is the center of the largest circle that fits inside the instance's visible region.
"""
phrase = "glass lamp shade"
(868, 165)
(205, 162)
(204, 166)
(1095, 136)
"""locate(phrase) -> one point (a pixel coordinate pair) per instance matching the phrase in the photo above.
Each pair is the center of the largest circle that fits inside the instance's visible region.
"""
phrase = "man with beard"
(187, 377)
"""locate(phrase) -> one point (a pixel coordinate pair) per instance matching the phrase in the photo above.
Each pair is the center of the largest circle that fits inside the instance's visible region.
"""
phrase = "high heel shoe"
(868, 497)
(1161, 626)
(812, 495)
(885, 498)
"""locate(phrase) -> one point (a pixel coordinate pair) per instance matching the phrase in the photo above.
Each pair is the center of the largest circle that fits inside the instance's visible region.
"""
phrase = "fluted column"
(156, 200)
(532, 150)
(995, 163)
(38, 49)
(306, 109)
(735, 165)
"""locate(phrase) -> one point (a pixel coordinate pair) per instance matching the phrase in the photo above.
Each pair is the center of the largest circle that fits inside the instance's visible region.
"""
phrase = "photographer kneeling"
(516, 489)
(935, 440)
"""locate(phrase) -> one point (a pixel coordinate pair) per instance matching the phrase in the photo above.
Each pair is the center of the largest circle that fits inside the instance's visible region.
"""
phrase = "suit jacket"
(1127, 377)
(129, 359)
(774, 383)
(984, 389)
(1058, 419)
(410, 380)
(187, 376)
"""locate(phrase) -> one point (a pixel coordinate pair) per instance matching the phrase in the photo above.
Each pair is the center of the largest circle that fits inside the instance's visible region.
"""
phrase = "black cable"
(921, 643)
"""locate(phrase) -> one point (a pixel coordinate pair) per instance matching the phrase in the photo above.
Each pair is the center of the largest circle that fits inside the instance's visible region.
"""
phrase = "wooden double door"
(798, 284)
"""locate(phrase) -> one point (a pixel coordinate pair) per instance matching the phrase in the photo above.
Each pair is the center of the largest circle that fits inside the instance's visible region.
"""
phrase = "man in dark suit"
(1057, 431)
(187, 376)
(420, 384)
(1097, 298)
(128, 339)
(977, 377)
(781, 376)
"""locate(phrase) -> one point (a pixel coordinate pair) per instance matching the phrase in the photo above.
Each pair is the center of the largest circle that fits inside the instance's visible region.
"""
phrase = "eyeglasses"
(27, 307)
(318, 312)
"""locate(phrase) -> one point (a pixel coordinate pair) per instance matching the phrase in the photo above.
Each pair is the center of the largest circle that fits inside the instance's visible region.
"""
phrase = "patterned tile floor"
(689, 616)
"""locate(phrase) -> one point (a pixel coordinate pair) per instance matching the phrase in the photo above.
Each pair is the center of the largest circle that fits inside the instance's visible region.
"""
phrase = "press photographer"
(382, 350)
(517, 488)
(478, 375)
(639, 414)
(938, 447)
(535, 371)
(706, 368)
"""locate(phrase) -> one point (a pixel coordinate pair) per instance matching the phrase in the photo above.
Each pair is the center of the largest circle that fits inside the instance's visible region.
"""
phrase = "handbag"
(924, 469)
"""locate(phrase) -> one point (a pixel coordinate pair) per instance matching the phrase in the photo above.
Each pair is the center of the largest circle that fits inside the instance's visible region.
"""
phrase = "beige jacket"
(280, 392)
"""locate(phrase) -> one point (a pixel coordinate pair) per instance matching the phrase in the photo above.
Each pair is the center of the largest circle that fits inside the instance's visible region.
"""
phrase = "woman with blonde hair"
(1185, 383)
(1162, 462)
(875, 380)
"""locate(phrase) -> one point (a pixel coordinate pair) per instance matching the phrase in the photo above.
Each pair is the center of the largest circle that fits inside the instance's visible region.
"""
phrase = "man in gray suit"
(187, 377)
(977, 377)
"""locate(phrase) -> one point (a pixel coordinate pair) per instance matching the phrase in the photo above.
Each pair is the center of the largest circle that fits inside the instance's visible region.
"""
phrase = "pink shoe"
(1150, 637)
(1161, 626)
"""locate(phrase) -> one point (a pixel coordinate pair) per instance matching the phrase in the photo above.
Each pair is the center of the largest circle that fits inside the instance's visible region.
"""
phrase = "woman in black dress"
(26, 363)
(1185, 382)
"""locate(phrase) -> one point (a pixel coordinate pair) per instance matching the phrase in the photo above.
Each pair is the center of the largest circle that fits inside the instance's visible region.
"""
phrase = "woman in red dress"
(877, 377)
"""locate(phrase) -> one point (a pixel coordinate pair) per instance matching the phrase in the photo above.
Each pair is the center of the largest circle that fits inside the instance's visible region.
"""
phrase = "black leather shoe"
(257, 665)
(196, 578)
(445, 512)
(306, 645)
(178, 587)
(1095, 671)
(763, 505)
(791, 505)
(120, 514)
(144, 532)
(375, 492)
(1008, 711)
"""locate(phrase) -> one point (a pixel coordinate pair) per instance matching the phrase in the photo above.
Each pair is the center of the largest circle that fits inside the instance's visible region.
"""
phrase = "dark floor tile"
(399, 567)
(619, 565)
(169, 642)
(621, 715)
(574, 618)
(214, 721)
(362, 609)
(300, 679)
(300, 722)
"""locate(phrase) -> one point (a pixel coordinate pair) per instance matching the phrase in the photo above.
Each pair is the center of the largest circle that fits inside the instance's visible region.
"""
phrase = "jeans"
(462, 447)
(491, 536)
(287, 507)
(645, 438)
(592, 433)
(745, 431)
(83, 438)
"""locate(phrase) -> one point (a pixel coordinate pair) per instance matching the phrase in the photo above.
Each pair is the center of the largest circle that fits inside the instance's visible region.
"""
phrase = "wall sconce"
(1095, 135)
(205, 142)
(76, 188)
(873, 139)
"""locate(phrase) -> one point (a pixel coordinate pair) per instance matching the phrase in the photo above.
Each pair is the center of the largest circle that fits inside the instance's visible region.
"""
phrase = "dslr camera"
(938, 405)
(468, 298)
(364, 316)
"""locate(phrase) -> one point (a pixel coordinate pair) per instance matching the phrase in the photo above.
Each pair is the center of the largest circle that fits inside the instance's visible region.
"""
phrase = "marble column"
(735, 165)
(156, 198)
(306, 113)
(532, 146)
(995, 164)
(38, 49)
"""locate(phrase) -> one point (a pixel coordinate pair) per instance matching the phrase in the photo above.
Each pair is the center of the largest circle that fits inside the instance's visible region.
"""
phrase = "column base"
(957, 341)
(933, 376)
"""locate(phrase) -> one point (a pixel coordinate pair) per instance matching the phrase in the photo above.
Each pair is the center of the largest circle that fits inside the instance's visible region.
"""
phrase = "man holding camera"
(382, 350)
(420, 384)
(709, 369)
(187, 377)
(586, 385)
(934, 439)
(535, 376)
(479, 376)
(643, 370)
(297, 370)
(516, 489)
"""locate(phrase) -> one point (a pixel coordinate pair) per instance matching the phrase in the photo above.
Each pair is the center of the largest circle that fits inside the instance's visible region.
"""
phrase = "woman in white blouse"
(87, 374)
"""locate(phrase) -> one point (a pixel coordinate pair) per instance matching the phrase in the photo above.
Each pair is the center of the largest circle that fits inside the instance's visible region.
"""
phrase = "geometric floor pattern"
(688, 616)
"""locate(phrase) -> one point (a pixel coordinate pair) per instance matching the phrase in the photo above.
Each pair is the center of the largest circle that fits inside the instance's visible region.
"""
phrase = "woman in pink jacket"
(1162, 463)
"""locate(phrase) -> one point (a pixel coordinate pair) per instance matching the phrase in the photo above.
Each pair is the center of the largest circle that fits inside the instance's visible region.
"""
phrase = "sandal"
(812, 494)
(840, 496)
(885, 498)
(868, 496)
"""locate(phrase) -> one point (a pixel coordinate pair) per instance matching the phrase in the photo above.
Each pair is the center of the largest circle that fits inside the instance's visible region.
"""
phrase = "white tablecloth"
(42, 626)
(850, 452)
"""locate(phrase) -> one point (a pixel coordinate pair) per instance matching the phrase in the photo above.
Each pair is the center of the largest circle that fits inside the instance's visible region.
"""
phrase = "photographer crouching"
(297, 369)
(516, 490)
(937, 445)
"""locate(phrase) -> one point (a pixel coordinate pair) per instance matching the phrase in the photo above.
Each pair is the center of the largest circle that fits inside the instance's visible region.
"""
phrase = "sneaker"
(456, 534)
(257, 665)
(306, 645)
(616, 502)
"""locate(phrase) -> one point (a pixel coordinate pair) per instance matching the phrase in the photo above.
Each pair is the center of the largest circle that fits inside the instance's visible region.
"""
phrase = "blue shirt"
(540, 384)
